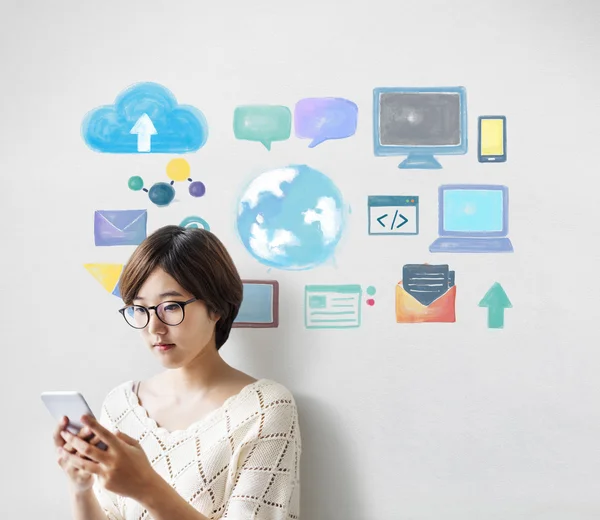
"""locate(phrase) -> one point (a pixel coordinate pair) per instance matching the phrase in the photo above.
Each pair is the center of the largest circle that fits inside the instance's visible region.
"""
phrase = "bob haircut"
(198, 261)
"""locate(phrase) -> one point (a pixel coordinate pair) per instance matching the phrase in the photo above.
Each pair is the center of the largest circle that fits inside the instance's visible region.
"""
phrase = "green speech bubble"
(262, 123)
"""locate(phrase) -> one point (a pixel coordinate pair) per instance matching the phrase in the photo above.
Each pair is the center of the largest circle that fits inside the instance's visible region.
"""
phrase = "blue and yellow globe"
(291, 218)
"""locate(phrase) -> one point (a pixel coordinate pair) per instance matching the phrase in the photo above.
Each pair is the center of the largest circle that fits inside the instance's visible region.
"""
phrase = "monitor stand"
(420, 161)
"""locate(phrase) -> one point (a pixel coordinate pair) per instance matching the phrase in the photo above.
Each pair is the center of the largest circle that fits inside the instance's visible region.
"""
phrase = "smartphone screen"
(492, 139)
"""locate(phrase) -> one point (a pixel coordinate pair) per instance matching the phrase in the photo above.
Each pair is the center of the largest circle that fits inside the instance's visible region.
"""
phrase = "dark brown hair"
(198, 261)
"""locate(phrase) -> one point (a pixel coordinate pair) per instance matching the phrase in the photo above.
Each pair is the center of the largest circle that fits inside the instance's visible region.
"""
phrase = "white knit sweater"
(240, 462)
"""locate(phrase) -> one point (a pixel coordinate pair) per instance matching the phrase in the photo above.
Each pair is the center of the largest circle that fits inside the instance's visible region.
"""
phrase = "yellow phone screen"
(492, 137)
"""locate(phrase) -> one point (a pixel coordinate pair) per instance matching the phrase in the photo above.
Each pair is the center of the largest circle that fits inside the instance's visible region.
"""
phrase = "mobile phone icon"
(492, 139)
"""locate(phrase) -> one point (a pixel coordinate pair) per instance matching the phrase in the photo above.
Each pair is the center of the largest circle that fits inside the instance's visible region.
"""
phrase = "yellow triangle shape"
(107, 274)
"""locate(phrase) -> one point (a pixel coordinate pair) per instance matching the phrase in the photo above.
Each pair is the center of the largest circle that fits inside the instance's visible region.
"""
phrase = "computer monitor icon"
(473, 218)
(420, 123)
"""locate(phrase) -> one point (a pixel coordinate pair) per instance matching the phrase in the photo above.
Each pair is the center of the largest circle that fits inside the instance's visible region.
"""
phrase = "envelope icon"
(120, 227)
(410, 310)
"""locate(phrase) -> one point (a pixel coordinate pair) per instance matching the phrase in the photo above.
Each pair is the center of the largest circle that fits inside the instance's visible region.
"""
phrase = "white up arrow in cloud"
(144, 129)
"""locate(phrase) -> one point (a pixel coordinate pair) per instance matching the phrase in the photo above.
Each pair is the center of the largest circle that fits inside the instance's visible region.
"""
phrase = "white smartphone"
(73, 405)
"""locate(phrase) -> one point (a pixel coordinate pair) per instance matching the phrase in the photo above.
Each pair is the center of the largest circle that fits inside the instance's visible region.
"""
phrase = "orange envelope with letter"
(426, 294)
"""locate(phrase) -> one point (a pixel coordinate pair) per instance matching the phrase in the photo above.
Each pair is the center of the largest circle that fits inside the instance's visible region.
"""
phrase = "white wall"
(430, 421)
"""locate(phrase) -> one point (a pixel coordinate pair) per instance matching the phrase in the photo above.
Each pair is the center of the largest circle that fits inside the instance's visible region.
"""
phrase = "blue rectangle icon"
(473, 211)
(260, 305)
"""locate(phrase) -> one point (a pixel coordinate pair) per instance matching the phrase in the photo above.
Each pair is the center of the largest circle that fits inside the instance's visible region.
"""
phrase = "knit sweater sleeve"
(265, 471)
(109, 502)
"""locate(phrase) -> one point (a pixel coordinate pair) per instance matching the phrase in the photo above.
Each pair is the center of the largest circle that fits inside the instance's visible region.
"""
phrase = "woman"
(201, 439)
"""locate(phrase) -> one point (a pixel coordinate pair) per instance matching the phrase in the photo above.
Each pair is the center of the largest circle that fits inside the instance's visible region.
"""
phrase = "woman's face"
(184, 341)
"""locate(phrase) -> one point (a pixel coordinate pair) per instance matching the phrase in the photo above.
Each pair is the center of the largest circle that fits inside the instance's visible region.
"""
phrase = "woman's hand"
(123, 468)
(79, 479)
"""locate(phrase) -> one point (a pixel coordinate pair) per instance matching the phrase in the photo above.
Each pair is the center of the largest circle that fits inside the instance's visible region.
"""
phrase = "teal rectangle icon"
(332, 306)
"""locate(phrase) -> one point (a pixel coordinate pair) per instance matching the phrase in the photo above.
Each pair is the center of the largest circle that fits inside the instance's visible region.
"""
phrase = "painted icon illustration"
(322, 119)
(291, 218)
(120, 227)
(108, 275)
(371, 290)
(162, 193)
(262, 123)
(426, 294)
(195, 222)
(393, 214)
(332, 306)
(260, 305)
(496, 300)
(472, 218)
(145, 118)
(491, 131)
(420, 123)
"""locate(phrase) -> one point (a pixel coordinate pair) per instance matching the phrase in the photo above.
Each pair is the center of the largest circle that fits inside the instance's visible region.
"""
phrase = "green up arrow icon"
(496, 301)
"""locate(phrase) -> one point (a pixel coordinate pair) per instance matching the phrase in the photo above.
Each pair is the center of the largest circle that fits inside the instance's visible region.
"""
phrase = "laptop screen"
(477, 211)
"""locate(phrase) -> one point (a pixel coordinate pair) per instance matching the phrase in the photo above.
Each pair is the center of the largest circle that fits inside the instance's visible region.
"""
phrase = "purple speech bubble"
(321, 119)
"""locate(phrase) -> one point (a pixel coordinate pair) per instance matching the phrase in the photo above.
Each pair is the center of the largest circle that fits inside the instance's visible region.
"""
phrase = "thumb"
(126, 438)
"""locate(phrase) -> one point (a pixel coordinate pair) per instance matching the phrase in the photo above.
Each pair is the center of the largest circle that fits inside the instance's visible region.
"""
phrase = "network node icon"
(163, 193)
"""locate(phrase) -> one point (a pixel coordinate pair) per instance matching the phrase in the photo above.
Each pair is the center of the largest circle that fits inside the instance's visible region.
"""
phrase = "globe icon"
(291, 218)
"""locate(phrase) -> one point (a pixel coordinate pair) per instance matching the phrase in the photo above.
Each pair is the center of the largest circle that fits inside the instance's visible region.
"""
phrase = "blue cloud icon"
(145, 119)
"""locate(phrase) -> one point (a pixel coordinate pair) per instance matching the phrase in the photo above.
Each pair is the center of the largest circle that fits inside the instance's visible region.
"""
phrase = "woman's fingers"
(86, 450)
(94, 440)
(72, 463)
(75, 468)
(84, 433)
(59, 442)
(57, 437)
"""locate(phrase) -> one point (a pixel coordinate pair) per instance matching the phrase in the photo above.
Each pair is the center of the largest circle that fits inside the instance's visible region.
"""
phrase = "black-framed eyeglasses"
(170, 313)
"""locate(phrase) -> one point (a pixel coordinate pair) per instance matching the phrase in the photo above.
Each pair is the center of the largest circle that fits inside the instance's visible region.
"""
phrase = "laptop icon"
(473, 218)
